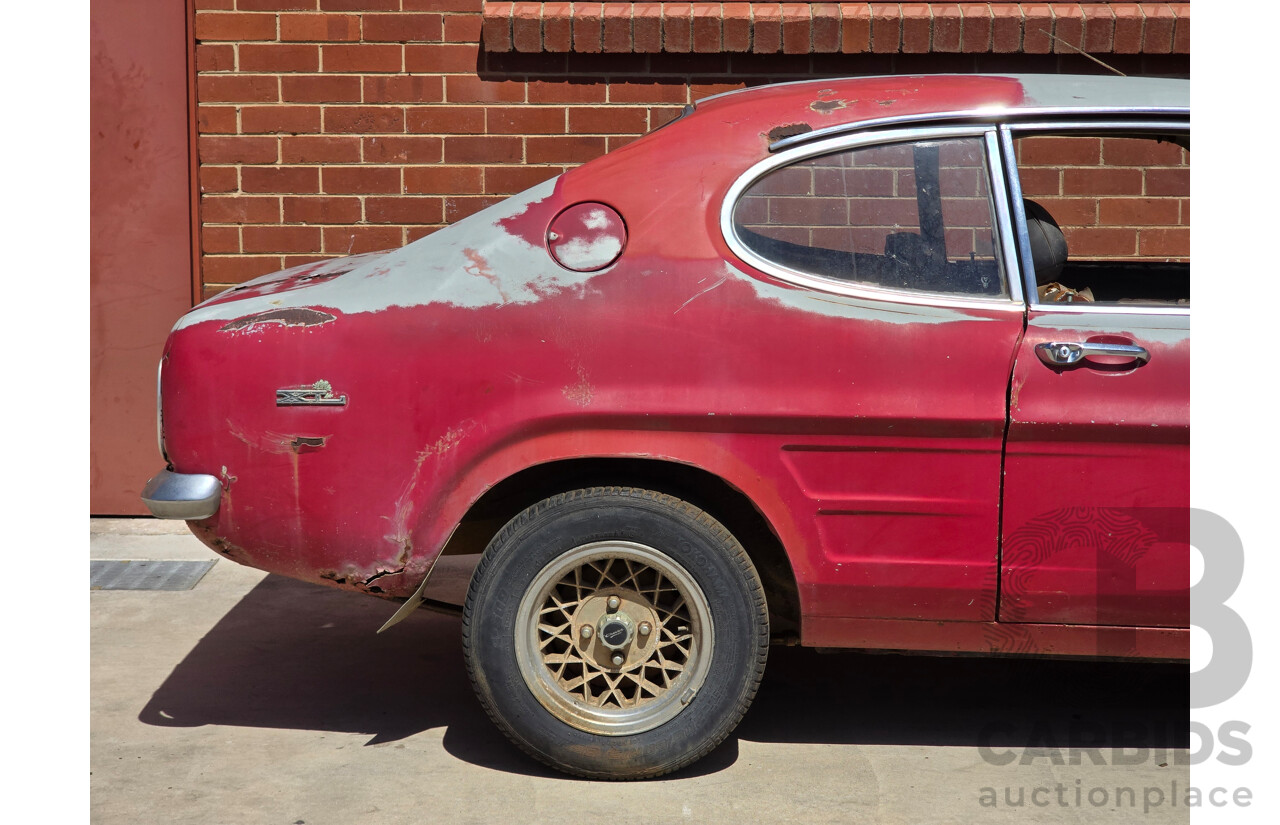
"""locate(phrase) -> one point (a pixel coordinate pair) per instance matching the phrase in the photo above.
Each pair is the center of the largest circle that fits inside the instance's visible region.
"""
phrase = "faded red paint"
(869, 435)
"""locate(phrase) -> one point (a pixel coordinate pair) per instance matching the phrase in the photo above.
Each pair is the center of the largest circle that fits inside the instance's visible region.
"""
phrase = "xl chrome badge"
(318, 394)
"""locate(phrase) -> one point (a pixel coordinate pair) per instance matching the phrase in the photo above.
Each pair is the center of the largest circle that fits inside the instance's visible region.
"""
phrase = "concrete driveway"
(257, 699)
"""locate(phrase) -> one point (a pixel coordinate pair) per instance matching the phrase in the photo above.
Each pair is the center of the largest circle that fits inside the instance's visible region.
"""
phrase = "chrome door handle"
(1063, 354)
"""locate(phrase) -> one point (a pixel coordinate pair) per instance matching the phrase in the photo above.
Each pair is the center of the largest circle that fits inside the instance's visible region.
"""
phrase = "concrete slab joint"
(616, 27)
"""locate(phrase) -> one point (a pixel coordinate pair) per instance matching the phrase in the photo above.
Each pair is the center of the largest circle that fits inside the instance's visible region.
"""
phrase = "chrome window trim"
(1020, 218)
(867, 291)
(990, 115)
(1005, 224)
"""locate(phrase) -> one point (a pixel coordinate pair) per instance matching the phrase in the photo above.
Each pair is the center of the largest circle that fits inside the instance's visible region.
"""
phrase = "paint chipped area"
(478, 262)
(587, 237)
(292, 317)
(826, 107)
(581, 392)
(296, 277)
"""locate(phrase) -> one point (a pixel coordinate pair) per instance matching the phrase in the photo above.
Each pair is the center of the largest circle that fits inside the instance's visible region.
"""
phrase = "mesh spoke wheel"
(614, 638)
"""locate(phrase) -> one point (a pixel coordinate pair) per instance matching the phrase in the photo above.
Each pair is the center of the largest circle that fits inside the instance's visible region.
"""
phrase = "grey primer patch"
(289, 317)
(146, 575)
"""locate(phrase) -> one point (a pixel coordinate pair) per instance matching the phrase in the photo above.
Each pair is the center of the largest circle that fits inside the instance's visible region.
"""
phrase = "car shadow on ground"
(297, 656)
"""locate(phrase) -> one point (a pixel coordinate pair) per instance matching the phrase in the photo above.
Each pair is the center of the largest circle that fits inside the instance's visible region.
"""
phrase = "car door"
(1096, 482)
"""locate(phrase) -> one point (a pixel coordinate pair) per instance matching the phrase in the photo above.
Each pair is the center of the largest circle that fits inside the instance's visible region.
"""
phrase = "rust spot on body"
(777, 133)
(826, 107)
(478, 266)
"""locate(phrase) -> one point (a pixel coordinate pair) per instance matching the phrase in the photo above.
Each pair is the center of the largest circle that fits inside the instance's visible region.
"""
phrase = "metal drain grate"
(146, 575)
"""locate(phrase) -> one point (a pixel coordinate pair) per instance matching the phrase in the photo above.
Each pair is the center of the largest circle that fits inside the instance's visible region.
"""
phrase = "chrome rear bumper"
(180, 495)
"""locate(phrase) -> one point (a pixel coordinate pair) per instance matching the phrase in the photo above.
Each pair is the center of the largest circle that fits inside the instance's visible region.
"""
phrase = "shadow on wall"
(297, 656)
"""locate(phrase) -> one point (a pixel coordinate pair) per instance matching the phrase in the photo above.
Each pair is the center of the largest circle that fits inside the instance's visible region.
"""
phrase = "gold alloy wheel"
(614, 638)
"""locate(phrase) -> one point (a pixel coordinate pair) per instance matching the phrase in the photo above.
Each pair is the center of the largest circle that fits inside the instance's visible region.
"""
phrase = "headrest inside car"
(1048, 245)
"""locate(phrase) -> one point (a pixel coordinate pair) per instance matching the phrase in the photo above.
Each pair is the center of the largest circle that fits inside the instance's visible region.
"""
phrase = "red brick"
(768, 28)
(1129, 20)
(646, 28)
(361, 180)
(508, 180)
(588, 27)
(705, 31)
(564, 149)
(495, 30)
(215, 5)
(318, 149)
(557, 27)
(446, 120)
(281, 238)
(218, 149)
(608, 120)
(218, 57)
(238, 209)
(573, 90)
(1101, 181)
(237, 89)
(698, 89)
(363, 119)
(614, 142)
(220, 269)
(1157, 32)
(526, 27)
(216, 239)
(407, 149)
(441, 57)
(465, 89)
(212, 120)
(975, 27)
(404, 89)
(320, 89)
(353, 240)
(483, 149)
(1164, 243)
(737, 27)
(402, 210)
(1059, 151)
(403, 28)
(1138, 211)
(948, 26)
(524, 120)
(797, 30)
(1068, 28)
(1141, 152)
(298, 180)
(826, 28)
(1099, 29)
(319, 27)
(414, 233)
(291, 261)
(279, 57)
(645, 90)
(276, 119)
(1036, 182)
(443, 5)
(463, 28)
(362, 57)
(218, 179)
(235, 27)
(616, 37)
(1167, 182)
(855, 28)
(1182, 28)
(439, 180)
(359, 5)
(886, 28)
(917, 25)
(274, 5)
(1038, 27)
(677, 27)
(457, 208)
(1101, 241)
(1006, 28)
(1072, 211)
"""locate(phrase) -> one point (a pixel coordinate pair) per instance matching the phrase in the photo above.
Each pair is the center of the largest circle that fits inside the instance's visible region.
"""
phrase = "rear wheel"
(615, 633)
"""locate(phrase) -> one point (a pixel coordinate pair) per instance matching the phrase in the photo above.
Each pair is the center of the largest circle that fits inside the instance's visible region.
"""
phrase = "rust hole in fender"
(777, 133)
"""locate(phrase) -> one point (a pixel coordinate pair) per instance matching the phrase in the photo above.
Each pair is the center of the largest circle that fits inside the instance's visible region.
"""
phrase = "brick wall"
(331, 127)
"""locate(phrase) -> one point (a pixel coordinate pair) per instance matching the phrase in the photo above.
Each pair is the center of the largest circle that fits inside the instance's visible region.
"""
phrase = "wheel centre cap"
(616, 630)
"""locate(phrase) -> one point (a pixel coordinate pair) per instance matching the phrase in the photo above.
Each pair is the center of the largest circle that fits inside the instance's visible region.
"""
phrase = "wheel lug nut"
(586, 631)
(644, 629)
(614, 603)
(618, 659)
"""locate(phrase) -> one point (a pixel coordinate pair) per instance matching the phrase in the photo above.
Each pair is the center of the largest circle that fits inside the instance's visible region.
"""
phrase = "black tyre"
(615, 633)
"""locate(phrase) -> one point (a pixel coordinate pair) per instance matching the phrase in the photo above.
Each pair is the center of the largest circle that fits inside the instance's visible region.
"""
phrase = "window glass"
(907, 216)
(1109, 216)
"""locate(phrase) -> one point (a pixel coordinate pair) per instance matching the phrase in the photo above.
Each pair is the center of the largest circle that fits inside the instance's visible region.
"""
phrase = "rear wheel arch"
(703, 489)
